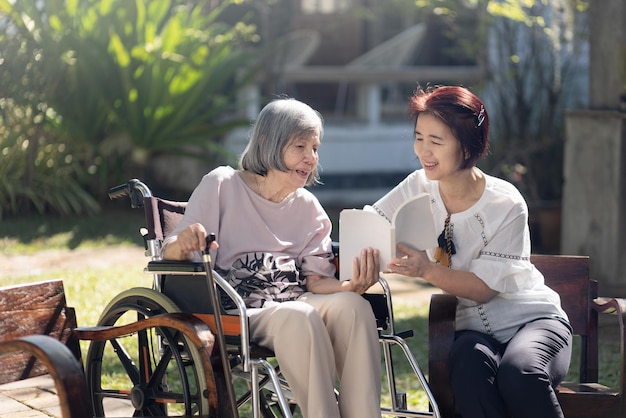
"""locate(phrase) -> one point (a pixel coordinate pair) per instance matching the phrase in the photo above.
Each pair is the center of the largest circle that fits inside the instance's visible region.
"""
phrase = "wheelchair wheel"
(151, 373)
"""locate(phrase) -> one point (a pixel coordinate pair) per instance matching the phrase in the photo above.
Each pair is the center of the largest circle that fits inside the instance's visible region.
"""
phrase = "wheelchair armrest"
(378, 301)
(174, 267)
(441, 326)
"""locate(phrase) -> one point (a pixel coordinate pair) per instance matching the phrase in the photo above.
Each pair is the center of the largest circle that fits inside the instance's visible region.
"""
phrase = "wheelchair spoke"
(126, 361)
(155, 379)
(114, 394)
(173, 351)
(146, 356)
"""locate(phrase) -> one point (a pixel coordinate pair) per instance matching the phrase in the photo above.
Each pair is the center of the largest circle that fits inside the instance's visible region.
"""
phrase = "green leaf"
(120, 53)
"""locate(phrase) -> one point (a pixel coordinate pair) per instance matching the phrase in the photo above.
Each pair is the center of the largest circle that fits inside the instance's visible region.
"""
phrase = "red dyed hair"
(462, 111)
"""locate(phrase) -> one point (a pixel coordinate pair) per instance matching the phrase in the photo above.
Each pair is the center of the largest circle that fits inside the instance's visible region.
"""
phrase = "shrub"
(114, 83)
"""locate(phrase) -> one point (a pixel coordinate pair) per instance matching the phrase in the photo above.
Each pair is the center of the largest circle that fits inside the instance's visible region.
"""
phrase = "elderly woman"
(275, 250)
(513, 340)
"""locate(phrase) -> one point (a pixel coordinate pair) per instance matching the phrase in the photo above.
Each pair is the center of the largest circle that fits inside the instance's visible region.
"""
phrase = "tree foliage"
(537, 73)
(118, 82)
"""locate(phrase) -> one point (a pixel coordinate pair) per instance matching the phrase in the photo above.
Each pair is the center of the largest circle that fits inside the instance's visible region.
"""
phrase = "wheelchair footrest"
(405, 334)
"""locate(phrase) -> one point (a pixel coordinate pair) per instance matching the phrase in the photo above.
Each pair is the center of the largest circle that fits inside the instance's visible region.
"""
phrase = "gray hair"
(279, 122)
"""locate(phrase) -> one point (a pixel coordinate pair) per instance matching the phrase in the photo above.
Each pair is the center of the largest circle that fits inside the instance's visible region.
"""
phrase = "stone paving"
(30, 398)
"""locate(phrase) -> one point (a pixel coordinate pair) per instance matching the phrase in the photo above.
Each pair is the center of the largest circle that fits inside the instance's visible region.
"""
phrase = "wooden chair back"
(569, 277)
(37, 339)
(34, 309)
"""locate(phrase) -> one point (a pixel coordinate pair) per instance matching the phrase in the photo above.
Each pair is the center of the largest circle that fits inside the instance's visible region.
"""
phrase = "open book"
(412, 224)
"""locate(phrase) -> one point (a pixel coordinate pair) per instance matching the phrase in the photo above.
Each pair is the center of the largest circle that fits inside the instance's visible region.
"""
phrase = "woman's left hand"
(365, 270)
(411, 262)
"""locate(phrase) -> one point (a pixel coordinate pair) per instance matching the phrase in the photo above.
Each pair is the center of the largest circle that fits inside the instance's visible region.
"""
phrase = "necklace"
(445, 248)
(274, 197)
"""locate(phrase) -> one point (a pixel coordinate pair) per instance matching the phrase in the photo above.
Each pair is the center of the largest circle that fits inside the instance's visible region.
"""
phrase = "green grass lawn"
(90, 289)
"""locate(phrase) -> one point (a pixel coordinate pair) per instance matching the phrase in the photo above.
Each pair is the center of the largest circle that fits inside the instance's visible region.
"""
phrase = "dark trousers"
(515, 380)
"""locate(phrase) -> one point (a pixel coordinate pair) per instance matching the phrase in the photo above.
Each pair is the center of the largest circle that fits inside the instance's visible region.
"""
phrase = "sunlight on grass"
(409, 317)
(89, 290)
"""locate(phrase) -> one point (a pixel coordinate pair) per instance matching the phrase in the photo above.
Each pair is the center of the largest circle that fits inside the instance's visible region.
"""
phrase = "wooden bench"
(569, 277)
(39, 336)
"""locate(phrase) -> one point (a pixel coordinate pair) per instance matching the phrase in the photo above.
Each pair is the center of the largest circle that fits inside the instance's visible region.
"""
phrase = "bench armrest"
(65, 369)
(194, 329)
(616, 306)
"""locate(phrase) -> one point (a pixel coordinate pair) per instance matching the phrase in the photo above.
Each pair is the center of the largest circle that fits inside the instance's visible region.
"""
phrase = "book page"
(360, 229)
(414, 223)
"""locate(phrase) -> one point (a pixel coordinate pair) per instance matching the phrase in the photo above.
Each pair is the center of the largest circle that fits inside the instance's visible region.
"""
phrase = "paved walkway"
(31, 398)
(36, 397)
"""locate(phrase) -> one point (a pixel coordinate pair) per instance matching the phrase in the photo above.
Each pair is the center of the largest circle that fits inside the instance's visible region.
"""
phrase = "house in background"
(358, 72)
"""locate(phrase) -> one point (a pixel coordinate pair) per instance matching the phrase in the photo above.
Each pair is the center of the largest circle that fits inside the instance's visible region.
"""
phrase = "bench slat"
(33, 309)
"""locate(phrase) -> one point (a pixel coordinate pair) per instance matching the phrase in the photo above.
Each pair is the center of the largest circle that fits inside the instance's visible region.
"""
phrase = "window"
(325, 6)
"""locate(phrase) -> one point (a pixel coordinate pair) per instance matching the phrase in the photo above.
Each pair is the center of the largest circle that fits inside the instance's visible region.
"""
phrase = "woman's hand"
(365, 271)
(190, 239)
(364, 275)
(411, 262)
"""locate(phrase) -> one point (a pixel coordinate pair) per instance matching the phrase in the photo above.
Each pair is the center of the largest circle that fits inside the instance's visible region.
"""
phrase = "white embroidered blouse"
(492, 240)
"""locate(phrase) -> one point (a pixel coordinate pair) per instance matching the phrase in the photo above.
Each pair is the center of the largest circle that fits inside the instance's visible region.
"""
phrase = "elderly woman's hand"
(190, 239)
(365, 270)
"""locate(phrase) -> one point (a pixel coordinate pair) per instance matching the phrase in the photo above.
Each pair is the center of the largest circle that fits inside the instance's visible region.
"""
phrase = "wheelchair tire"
(153, 372)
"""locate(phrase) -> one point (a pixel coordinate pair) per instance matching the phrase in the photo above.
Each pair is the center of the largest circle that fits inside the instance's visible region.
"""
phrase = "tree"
(123, 81)
(537, 73)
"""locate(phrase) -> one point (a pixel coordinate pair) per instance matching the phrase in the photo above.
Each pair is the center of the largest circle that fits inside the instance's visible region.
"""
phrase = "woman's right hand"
(410, 262)
(190, 239)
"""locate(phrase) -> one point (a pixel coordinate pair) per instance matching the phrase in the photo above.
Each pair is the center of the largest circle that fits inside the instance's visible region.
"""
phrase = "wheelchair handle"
(118, 191)
(134, 189)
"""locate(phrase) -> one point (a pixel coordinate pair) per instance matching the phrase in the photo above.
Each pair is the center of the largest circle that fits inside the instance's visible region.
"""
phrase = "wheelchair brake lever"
(144, 235)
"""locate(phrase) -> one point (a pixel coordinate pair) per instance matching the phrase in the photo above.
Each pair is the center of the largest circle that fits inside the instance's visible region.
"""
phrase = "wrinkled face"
(301, 158)
(436, 147)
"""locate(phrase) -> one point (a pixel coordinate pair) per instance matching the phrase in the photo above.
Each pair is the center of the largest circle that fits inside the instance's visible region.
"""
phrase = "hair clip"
(480, 117)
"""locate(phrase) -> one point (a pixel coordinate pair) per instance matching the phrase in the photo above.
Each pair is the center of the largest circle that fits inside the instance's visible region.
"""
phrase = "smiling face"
(301, 158)
(436, 147)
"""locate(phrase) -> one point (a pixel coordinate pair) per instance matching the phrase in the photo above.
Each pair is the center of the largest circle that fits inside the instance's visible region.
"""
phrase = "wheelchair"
(150, 375)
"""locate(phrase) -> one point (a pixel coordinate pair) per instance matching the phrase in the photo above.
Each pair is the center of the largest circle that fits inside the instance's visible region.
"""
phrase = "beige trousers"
(318, 339)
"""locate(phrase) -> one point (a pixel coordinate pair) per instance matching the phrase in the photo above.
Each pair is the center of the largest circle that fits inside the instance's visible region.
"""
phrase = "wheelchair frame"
(249, 364)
